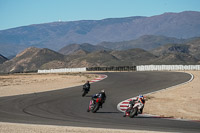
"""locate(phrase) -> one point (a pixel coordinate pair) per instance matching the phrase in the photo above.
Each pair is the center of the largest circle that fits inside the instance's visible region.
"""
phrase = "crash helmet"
(103, 91)
(141, 96)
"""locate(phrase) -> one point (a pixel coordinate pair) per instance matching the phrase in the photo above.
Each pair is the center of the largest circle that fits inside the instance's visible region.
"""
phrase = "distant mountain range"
(69, 49)
(2, 59)
(56, 35)
(33, 59)
(187, 51)
(30, 60)
(146, 42)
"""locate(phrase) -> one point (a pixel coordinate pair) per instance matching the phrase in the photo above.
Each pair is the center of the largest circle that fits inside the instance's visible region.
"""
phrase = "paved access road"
(67, 107)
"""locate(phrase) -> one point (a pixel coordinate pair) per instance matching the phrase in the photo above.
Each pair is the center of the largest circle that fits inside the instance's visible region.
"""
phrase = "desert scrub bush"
(149, 97)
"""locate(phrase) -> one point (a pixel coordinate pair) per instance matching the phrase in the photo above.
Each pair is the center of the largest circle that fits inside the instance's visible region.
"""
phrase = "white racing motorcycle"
(134, 110)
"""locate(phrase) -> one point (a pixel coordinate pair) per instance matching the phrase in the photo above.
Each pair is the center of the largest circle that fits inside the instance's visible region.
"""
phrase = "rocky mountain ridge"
(33, 59)
(69, 49)
(2, 59)
(58, 34)
(146, 42)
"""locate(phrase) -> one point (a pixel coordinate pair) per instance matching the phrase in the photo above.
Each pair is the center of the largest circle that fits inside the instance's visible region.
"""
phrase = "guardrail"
(168, 67)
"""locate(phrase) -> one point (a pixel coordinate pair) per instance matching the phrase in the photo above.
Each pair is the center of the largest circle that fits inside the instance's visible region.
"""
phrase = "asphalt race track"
(67, 107)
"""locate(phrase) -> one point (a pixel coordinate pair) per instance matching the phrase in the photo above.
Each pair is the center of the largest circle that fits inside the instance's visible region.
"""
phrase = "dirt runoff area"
(26, 128)
(181, 101)
(16, 84)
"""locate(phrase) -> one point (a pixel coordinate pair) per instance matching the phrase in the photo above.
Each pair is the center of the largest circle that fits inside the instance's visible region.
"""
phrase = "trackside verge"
(122, 106)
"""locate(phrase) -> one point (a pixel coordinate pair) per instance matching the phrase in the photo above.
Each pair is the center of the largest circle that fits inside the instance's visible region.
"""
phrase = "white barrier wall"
(138, 68)
(63, 70)
(168, 67)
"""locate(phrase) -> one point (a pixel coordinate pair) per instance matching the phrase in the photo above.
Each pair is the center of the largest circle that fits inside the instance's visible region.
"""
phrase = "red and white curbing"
(122, 106)
(101, 77)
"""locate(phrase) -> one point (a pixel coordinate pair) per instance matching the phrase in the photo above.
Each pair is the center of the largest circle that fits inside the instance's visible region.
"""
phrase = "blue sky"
(14, 13)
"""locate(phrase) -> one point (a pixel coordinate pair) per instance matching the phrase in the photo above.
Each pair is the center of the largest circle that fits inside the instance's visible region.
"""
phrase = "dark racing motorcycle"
(94, 105)
(85, 90)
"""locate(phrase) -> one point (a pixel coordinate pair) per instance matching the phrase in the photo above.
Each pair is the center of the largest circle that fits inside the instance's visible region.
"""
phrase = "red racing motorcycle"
(94, 105)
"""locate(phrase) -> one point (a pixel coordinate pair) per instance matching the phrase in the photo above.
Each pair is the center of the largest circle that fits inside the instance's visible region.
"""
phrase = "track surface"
(67, 107)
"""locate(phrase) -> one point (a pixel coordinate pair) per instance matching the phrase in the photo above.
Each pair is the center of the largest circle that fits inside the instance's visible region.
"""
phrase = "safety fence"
(63, 70)
(113, 68)
(168, 67)
(127, 68)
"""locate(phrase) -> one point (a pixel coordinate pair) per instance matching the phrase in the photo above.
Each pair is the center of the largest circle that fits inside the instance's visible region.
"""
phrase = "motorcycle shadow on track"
(88, 96)
(141, 116)
(108, 112)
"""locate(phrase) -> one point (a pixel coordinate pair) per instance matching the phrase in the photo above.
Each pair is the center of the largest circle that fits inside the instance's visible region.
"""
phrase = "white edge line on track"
(149, 115)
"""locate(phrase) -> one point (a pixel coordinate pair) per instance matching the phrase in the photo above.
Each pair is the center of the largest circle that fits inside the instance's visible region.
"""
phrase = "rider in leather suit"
(139, 99)
(87, 86)
(101, 95)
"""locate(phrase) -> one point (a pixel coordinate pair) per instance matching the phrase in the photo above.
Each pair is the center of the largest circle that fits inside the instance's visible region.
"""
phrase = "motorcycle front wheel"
(84, 93)
(133, 112)
(96, 107)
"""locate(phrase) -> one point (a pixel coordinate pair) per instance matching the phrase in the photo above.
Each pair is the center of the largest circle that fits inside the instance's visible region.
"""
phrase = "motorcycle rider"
(101, 95)
(86, 86)
(139, 99)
